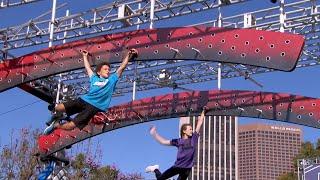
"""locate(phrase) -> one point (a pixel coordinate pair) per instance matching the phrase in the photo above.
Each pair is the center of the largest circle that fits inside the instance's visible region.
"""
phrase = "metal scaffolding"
(11, 3)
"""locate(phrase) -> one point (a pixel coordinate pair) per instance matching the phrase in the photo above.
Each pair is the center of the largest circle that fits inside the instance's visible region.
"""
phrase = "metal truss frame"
(11, 3)
(99, 20)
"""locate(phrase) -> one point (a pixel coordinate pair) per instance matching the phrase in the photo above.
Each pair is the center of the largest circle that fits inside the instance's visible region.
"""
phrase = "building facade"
(267, 151)
(216, 157)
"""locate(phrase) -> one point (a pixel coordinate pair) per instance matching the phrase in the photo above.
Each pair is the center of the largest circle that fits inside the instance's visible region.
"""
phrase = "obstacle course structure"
(242, 52)
(265, 105)
(226, 45)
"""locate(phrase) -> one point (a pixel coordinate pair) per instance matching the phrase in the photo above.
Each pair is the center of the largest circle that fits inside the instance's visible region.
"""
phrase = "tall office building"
(217, 148)
(267, 151)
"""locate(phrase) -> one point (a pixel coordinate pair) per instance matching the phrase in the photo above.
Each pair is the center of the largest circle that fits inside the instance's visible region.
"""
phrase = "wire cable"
(21, 107)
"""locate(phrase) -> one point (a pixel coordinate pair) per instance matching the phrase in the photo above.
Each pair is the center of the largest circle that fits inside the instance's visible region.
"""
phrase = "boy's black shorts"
(85, 111)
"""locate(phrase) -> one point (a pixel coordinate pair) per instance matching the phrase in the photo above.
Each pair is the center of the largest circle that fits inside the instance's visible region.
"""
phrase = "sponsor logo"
(285, 128)
(101, 83)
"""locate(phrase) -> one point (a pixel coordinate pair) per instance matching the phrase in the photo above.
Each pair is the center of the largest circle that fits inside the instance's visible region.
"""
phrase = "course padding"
(274, 50)
(265, 105)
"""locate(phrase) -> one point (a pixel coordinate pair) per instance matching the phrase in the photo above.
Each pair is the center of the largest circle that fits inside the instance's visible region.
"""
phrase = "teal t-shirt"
(100, 91)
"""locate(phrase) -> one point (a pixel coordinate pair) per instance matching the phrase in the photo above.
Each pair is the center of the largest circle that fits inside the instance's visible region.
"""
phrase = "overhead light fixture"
(164, 76)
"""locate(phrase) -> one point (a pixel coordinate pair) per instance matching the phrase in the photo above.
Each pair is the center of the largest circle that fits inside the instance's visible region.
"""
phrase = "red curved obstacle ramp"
(274, 50)
(266, 105)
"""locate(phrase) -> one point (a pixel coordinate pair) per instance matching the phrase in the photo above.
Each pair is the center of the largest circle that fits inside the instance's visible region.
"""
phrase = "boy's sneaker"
(152, 168)
(50, 128)
(55, 117)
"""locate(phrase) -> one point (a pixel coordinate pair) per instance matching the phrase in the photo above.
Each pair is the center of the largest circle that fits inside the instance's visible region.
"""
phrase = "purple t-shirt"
(186, 150)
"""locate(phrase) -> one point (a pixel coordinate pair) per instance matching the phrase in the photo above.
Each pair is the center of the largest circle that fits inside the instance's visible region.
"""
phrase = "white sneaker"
(152, 168)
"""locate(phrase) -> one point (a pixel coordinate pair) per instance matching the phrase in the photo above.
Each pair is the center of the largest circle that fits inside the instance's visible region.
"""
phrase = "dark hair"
(99, 66)
(184, 127)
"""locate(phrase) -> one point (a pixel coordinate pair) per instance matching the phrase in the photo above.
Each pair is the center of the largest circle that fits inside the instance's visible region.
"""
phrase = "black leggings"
(183, 173)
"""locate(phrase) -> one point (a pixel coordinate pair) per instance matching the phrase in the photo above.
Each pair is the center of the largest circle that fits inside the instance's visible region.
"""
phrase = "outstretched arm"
(132, 53)
(200, 121)
(159, 138)
(86, 63)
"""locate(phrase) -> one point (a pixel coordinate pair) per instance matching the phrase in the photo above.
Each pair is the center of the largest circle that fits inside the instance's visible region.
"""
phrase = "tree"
(307, 151)
(288, 176)
(318, 146)
(17, 160)
(85, 168)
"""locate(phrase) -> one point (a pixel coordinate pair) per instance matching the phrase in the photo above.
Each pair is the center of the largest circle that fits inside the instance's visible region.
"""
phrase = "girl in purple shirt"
(186, 151)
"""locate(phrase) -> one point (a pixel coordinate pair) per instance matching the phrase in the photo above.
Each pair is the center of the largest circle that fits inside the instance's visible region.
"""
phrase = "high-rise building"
(267, 151)
(216, 157)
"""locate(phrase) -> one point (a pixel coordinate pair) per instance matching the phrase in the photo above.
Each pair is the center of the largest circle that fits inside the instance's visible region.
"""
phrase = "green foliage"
(104, 173)
(17, 161)
(307, 151)
(288, 176)
(85, 168)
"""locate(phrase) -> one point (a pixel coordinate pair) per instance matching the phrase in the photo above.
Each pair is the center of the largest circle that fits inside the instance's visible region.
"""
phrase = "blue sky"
(132, 148)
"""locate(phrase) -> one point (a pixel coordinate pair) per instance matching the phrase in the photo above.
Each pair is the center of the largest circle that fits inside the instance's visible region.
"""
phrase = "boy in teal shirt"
(102, 85)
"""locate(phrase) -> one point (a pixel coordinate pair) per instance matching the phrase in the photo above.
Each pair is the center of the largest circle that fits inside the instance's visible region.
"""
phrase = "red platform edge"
(265, 105)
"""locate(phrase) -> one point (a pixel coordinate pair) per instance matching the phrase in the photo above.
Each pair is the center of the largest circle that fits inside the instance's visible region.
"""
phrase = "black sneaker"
(55, 117)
